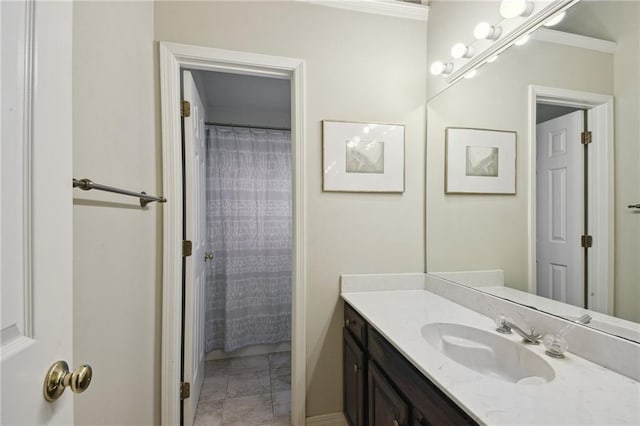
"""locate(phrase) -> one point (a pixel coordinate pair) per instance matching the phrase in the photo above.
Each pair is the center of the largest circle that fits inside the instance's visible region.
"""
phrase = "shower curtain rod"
(246, 126)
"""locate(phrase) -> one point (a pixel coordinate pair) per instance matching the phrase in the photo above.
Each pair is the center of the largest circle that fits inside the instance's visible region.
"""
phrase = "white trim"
(601, 218)
(601, 183)
(173, 57)
(395, 8)
(575, 40)
(334, 419)
(248, 351)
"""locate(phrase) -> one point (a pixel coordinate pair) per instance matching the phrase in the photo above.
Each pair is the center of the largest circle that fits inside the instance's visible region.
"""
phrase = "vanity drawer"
(355, 324)
(431, 405)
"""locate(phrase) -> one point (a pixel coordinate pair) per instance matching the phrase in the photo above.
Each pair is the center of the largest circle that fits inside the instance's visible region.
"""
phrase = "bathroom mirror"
(501, 237)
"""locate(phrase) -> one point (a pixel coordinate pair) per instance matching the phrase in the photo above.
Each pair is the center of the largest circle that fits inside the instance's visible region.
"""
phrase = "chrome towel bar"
(87, 184)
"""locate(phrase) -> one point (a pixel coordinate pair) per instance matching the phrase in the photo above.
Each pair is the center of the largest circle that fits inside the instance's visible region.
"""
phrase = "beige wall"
(116, 244)
(467, 232)
(358, 67)
(623, 24)
(490, 231)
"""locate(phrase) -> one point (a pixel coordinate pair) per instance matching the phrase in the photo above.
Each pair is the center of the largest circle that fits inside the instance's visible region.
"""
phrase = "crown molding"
(574, 40)
(395, 8)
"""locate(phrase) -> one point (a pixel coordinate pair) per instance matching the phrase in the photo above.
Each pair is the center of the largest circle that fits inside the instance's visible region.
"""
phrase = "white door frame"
(173, 57)
(601, 193)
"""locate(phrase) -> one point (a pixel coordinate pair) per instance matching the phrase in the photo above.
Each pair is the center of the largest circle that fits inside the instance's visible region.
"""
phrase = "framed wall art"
(479, 161)
(362, 157)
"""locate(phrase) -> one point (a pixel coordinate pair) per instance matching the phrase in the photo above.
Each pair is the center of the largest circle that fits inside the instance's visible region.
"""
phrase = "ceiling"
(236, 91)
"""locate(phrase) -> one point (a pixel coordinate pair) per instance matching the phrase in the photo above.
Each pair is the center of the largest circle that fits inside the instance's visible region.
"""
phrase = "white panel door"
(36, 208)
(560, 209)
(195, 224)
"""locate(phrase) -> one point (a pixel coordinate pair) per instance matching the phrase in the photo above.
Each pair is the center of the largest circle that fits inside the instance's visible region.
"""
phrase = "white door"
(560, 209)
(36, 208)
(195, 224)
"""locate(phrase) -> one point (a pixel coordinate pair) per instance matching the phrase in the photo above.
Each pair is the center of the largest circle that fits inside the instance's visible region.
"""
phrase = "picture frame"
(362, 157)
(480, 161)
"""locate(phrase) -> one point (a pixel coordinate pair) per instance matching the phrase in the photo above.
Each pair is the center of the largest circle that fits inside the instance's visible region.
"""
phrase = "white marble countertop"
(582, 393)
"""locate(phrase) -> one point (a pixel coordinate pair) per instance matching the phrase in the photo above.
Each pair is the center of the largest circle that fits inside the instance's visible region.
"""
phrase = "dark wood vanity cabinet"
(354, 367)
(354, 378)
(391, 392)
(386, 406)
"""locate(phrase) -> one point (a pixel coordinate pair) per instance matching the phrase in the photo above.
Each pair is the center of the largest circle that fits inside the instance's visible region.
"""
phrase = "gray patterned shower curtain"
(249, 211)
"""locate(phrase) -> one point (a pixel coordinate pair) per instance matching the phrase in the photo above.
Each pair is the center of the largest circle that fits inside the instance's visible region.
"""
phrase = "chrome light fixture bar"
(512, 30)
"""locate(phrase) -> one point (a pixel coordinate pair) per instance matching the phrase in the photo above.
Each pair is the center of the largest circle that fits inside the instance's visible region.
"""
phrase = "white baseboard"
(248, 351)
(334, 419)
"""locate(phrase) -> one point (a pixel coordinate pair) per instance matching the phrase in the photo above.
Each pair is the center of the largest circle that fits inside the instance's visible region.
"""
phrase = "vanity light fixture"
(461, 50)
(522, 40)
(555, 20)
(471, 74)
(484, 30)
(512, 8)
(438, 68)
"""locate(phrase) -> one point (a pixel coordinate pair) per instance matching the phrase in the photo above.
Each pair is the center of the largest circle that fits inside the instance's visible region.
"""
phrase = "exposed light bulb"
(522, 40)
(512, 8)
(471, 74)
(555, 20)
(486, 31)
(492, 59)
(460, 50)
(438, 68)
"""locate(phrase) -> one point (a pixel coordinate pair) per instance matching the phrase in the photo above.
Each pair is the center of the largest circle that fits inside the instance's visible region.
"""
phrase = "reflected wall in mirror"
(499, 232)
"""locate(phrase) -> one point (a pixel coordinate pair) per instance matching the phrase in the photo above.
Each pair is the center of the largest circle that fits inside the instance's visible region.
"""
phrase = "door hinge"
(587, 241)
(185, 109)
(586, 138)
(187, 248)
(185, 390)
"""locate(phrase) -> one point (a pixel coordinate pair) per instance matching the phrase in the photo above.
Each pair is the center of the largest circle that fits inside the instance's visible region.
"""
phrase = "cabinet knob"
(355, 368)
(347, 323)
(395, 423)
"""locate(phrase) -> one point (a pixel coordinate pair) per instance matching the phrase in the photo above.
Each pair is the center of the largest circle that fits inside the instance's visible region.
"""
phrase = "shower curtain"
(249, 211)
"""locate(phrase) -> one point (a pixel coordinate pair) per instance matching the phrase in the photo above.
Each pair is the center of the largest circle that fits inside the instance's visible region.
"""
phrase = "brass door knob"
(208, 256)
(58, 378)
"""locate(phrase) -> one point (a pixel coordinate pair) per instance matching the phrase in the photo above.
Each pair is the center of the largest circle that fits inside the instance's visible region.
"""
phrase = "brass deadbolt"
(58, 378)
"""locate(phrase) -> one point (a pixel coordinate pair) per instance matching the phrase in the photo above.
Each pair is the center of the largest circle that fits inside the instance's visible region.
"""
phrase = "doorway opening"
(178, 372)
(236, 348)
(570, 197)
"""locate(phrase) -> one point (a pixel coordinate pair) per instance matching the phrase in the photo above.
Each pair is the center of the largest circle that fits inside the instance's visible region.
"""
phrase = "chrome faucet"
(505, 325)
(585, 319)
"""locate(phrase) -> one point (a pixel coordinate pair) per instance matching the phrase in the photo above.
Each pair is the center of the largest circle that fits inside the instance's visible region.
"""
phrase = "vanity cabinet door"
(356, 325)
(386, 406)
(354, 377)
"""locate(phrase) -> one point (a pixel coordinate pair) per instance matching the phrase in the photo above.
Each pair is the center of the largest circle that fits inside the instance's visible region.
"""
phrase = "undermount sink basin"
(488, 353)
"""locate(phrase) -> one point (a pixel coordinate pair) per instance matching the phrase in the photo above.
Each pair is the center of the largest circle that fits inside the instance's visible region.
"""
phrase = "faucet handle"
(555, 345)
(503, 324)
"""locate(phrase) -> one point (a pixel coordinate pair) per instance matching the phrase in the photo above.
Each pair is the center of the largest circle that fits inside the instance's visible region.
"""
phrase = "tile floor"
(246, 391)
